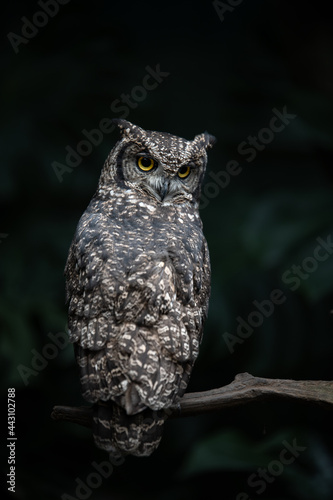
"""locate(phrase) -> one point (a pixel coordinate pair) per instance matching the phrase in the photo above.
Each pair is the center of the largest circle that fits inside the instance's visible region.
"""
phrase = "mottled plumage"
(138, 284)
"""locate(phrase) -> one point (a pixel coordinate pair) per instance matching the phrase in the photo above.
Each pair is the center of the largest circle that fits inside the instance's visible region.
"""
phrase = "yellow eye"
(144, 163)
(184, 172)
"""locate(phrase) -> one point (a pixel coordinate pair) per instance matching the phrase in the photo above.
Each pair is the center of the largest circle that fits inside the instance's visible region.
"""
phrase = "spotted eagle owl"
(138, 285)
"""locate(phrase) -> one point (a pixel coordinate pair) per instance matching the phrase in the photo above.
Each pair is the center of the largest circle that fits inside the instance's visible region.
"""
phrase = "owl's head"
(162, 166)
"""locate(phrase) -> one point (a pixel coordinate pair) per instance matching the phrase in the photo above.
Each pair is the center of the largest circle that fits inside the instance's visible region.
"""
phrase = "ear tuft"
(121, 123)
(128, 129)
(205, 140)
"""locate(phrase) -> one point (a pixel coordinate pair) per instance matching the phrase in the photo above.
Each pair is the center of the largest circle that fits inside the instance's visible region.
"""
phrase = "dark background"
(225, 76)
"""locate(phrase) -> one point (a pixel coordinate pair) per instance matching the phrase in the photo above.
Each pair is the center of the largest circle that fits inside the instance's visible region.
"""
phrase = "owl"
(138, 285)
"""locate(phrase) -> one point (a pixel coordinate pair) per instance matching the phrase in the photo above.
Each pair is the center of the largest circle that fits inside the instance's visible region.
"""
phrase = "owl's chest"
(124, 233)
(156, 226)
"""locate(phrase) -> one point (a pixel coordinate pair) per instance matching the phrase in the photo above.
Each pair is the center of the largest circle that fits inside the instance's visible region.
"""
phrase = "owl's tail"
(122, 434)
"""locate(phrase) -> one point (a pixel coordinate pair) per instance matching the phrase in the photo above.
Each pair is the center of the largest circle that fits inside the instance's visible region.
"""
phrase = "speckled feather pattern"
(138, 284)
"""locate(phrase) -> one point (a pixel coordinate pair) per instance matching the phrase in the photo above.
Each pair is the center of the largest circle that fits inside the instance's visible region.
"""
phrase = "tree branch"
(244, 389)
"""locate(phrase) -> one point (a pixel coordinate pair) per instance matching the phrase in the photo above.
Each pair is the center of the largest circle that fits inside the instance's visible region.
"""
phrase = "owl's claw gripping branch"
(244, 389)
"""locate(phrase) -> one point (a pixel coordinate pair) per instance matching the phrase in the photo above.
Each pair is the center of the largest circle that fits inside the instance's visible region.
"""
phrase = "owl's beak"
(163, 190)
(157, 187)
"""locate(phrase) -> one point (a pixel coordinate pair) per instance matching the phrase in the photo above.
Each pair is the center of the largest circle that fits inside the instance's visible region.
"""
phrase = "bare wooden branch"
(244, 389)
(81, 415)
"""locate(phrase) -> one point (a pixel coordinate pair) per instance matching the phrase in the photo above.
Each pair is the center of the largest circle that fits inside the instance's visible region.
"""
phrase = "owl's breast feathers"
(138, 290)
